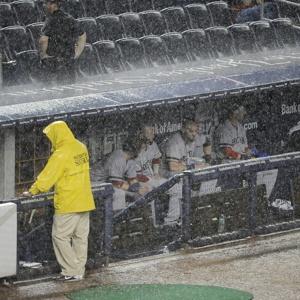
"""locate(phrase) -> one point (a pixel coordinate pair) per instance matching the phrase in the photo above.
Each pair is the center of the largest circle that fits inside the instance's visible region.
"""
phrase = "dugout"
(102, 112)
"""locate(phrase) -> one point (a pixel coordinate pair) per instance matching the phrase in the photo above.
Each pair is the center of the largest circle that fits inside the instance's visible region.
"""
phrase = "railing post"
(251, 178)
(186, 206)
(108, 225)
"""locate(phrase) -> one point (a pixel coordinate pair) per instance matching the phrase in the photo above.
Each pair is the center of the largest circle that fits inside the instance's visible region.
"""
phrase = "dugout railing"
(239, 207)
(34, 222)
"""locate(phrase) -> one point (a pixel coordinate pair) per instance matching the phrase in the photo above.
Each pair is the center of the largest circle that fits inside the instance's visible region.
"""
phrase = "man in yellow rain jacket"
(68, 171)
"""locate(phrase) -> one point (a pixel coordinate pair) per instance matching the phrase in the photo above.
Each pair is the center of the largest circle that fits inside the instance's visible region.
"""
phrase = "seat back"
(142, 5)
(28, 66)
(175, 19)
(132, 25)
(17, 39)
(197, 43)
(34, 30)
(284, 32)
(110, 27)
(198, 16)
(25, 11)
(244, 39)
(160, 4)
(220, 40)
(177, 50)
(108, 56)
(73, 7)
(132, 53)
(220, 13)
(264, 34)
(119, 6)
(87, 64)
(89, 25)
(6, 15)
(94, 8)
(153, 22)
(155, 50)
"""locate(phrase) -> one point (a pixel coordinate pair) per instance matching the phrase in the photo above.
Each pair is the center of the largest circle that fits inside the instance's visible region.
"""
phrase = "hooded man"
(68, 171)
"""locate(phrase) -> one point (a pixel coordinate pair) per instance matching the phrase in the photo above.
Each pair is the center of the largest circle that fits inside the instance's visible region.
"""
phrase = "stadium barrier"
(34, 233)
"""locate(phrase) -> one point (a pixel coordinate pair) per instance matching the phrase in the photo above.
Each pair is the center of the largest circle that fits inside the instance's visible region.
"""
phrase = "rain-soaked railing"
(35, 256)
(219, 203)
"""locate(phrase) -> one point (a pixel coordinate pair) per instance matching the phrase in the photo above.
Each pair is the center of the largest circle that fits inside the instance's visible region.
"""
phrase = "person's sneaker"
(65, 278)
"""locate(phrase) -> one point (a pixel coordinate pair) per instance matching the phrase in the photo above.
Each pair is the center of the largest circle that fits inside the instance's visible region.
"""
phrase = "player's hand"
(26, 194)
(143, 190)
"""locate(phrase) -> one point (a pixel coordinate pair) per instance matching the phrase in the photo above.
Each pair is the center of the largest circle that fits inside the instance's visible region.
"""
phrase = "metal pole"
(262, 6)
(108, 226)
(186, 206)
(253, 201)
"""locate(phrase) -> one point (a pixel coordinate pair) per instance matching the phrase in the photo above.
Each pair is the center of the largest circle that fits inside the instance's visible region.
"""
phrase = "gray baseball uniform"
(117, 168)
(178, 149)
(233, 137)
(145, 159)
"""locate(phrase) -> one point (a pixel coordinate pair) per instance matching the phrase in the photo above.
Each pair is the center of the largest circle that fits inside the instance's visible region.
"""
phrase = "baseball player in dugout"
(184, 150)
(120, 170)
(231, 139)
(68, 171)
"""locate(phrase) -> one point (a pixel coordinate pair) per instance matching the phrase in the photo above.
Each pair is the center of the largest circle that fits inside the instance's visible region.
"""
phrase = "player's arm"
(156, 161)
(80, 45)
(43, 45)
(176, 165)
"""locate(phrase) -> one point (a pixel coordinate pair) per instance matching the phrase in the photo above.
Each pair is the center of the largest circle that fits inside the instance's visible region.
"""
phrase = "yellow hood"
(58, 133)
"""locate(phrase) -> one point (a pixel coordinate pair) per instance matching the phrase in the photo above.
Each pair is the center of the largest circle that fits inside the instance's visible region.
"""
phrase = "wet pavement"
(268, 267)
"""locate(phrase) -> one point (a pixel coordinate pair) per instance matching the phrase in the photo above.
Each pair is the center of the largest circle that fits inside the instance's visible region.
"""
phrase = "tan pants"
(70, 241)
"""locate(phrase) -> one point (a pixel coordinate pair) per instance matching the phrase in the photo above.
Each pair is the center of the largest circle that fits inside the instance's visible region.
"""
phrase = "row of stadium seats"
(127, 53)
(24, 12)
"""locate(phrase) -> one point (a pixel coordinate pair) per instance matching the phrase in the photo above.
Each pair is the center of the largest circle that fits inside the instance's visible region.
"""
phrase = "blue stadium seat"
(153, 22)
(34, 30)
(9, 66)
(175, 19)
(160, 4)
(119, 6)
(220, 13)
(155, 50)
(142, 5)
(284, 32)
(108, 56)
(198, 16)
(94, 8)
(25, 11)
(132, 24)
(17, 39)
(89, 25)
(132, 53)
(28, 66)
(197, 43)
(73, 7)
(86, 64)
(264, 34)
(6, 15)
(175, 43)
(220, 40)
(243, 37)
(110, 27)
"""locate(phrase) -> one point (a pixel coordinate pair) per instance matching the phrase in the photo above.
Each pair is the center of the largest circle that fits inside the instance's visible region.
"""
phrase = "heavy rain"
(149, 149)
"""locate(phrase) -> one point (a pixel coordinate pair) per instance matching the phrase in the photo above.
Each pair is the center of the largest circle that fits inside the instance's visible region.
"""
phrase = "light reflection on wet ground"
(270, 269)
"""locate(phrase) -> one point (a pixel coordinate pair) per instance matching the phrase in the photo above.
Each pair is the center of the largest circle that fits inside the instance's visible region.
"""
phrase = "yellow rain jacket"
(68, 170)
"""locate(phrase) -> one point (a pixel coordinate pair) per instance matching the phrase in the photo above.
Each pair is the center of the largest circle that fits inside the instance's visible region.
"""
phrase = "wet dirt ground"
(268, 267)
